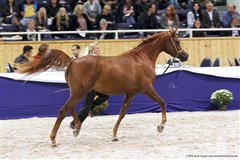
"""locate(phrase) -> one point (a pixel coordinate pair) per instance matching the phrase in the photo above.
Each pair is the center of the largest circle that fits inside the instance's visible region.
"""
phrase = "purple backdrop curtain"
(181, 91)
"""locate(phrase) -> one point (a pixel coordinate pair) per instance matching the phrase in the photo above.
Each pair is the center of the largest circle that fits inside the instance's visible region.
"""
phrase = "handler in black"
(90, 101)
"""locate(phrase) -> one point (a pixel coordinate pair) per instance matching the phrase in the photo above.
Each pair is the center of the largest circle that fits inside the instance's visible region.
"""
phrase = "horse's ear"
(173, 31)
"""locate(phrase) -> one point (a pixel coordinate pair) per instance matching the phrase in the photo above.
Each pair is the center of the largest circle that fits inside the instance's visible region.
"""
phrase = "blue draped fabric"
(181, 91)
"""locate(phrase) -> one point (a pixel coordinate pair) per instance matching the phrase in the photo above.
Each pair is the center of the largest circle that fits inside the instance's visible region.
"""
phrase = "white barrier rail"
(116, 32)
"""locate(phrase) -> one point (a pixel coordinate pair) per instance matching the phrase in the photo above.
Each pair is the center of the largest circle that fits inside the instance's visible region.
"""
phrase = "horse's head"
(173, 46)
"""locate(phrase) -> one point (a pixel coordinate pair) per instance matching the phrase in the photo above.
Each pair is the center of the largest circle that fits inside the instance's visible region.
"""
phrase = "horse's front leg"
(126, 102)
(68, 106)
(150, 92)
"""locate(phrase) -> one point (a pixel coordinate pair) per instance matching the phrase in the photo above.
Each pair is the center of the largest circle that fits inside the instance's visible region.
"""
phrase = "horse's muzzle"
(183, 56)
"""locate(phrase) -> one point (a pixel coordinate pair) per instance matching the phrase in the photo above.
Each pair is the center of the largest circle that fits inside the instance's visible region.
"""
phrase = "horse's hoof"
(160, 128)
(114, 139)
(54, 145)
(75, 132)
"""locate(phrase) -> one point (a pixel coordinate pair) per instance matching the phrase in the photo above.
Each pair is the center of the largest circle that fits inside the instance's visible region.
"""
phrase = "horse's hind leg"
(126, 102)
(150, 92)
(68, 107)
(77, 123)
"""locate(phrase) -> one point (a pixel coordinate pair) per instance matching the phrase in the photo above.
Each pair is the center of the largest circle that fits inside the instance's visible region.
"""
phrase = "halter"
(178, 51)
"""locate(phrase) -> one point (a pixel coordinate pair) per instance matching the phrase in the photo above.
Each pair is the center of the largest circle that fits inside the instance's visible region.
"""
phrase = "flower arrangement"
(221, 97)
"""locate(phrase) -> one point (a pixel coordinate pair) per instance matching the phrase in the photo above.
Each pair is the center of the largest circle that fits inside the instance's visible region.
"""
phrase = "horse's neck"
(152, 52)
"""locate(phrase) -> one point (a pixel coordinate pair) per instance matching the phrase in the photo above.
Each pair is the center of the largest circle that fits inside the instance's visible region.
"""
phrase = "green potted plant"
(221, 98)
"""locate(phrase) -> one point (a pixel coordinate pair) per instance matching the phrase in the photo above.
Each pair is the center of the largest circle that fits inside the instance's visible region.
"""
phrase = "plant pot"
(222, 107)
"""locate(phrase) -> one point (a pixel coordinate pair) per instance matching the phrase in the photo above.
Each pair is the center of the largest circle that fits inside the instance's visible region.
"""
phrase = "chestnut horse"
(130, 73)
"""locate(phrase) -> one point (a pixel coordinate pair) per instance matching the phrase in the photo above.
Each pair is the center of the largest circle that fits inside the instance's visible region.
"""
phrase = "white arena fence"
(116, 32)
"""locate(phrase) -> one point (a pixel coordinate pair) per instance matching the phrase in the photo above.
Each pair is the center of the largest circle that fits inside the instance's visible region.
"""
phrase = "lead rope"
(167, 68)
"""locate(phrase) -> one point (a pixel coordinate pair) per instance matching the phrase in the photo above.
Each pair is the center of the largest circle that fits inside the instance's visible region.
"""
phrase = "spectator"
(111, 3)
(126, 12)
(103, 27)
(80, 21)
(210, 17)
(141, 7)
(92, 8)
(11, 11)
(62, 22)
(41, 19)
(197, 24)
(30, 28)
(76, 49)
(194, 14)
(175, 4)
(202, 3)
(53, 8)
(234, 23)
(185, 4)
(42, 22)
(105, 15)
(76, 2)
(161, 4)
(227, 16)
(28, 11)
(169, 18)
(25, 56)
(147, 19)
(17, 26)
(66, 4)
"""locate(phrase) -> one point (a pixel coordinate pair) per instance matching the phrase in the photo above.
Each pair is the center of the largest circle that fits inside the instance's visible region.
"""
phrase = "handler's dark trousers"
(90, 103)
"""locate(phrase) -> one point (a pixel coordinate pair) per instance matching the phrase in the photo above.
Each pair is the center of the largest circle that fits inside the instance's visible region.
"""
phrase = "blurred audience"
(210, 17)
(62, 22)
(83, 15)
(111, 3)
(30, 28)
(169, 18)
(41, 19)
(234, 23)
(80, 21)
(227, 16)
(28, 11)
(125, 12)
(197, 24)
(103, 27)
(92, 8)
(161, 4)
(10, 12)
(194, 14)
(107, 16)
(53, 8)
(147, 19)
(141, 7)
(175, 4)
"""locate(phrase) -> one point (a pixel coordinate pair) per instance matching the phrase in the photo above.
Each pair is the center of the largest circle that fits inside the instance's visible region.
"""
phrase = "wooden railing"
(198, 48)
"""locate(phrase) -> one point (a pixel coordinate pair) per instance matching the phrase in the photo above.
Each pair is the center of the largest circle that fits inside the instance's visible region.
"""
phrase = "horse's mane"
(144, 43)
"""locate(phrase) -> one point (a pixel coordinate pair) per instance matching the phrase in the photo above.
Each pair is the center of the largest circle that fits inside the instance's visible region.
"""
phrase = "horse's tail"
(56, 59)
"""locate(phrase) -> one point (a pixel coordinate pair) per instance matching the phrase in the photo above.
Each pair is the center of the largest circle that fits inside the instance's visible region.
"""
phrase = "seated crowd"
(87, 15)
